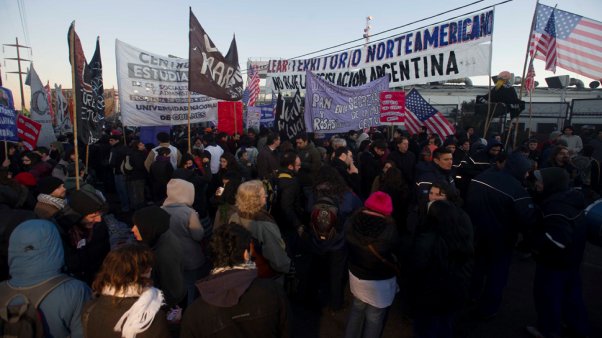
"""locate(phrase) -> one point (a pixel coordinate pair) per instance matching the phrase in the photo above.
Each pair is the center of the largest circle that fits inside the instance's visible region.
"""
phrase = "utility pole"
(18, 59)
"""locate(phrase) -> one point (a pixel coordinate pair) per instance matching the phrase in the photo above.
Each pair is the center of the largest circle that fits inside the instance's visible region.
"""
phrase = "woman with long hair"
(268, 246)
(126, 305)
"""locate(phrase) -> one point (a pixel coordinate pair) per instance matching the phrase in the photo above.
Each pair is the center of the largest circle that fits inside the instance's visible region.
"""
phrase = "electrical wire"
(392, 29)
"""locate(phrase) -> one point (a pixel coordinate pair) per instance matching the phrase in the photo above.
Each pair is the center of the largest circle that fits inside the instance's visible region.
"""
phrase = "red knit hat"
(26, 179)
(380, 202)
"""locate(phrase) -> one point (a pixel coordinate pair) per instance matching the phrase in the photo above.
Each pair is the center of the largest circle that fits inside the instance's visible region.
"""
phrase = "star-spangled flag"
(245, 96)
(547, 44)
(420, 113)
(578, 41)
(530, 78)
(253, 87)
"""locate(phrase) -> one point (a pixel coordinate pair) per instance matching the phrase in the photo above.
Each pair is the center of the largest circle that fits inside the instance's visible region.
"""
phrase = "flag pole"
(489, 112)
(530, 112)
(87, 158)
(189, 145)
(522, 85)
(73, 67)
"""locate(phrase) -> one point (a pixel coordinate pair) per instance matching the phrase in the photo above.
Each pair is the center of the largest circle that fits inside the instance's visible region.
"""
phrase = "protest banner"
(253, 117)
(290, 121)
(153, 90)
(392, 108)
(267, 118)
(8, 124)
(6, 98)
(452, 49)
(28, 131)
(211, 73)
(40, 108)
(333, 109)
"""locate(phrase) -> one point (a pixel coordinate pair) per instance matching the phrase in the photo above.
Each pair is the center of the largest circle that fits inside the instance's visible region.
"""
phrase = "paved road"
(516, 313)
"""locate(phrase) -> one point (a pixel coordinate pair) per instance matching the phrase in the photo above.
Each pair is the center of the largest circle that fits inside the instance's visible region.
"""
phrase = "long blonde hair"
(250, 197)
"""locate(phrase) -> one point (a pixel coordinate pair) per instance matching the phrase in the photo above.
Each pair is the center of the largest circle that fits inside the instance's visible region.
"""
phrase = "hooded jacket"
(168, 270)
(35, 255)
(236, 303)
(184, 222)
(500, 206)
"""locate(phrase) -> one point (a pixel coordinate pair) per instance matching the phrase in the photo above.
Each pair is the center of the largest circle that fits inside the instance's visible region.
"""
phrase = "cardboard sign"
(392, 108)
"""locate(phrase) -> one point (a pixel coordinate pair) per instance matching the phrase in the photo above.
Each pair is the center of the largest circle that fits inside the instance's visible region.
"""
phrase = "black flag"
(290, 121)
(89, 101)
(211, 73)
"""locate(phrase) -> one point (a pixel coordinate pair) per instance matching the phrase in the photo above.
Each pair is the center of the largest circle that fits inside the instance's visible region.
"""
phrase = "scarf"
(244, 266)
(142, 313)
(56, 202)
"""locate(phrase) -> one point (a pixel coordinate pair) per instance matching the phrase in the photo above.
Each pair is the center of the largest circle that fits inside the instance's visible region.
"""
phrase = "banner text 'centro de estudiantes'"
(153, 90)
(449, 50)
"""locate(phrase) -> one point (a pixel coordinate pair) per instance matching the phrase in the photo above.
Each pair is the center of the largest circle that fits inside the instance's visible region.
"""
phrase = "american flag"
(420, 113)
(253, 86)
(530, 78)
(578, 41)
(547, 44)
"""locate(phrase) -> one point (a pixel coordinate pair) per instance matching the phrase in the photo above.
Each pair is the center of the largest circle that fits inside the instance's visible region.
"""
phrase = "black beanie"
(554, 179)
(152, 222)
(85, 203)
(48, 184)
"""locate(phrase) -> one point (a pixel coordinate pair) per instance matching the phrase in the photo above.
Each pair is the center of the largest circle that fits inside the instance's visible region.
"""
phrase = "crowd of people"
(217, 235)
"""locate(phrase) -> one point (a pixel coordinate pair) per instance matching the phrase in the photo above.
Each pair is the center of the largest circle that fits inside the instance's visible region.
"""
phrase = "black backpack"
(324, 218)
(25, 320)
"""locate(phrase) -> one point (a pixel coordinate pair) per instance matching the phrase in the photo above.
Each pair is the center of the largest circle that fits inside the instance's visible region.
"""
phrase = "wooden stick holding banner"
(87, 158)
(489, 112)
(73, 67)
(530, 113)
(189, 145)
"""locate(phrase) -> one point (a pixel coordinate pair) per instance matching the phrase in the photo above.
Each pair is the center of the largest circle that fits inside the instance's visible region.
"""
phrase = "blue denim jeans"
(122, 192)
(365, 320)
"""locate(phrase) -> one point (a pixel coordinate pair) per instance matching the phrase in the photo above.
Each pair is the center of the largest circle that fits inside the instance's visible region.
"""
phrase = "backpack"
(25, 320)
(324, 218)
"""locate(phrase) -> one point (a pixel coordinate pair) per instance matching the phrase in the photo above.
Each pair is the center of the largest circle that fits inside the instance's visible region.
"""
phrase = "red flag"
(28, 131)
(229, 117)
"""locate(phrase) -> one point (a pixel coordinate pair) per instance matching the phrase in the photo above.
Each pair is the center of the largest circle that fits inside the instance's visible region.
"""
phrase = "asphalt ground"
(516, 312)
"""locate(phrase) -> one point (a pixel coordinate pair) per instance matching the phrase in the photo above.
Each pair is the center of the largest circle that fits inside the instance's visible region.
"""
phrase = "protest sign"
(333, 109)
(451, 49)
(290, 120)
(28, 131)
(153, 90)
(229, 117)
(253, 117)
(8, 124)
(392, 108)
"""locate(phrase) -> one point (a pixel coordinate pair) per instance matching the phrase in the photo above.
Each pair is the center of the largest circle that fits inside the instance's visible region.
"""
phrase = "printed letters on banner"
(89, 100)
(40, 109)
(449, 50)
(153, 90)
(333, 109)
(211, 73)
(8, 124)
(290, 119)
(28, 131)
(392, 108)
(253, 117)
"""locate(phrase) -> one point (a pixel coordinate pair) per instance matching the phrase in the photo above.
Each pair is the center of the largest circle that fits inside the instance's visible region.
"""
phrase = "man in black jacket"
(441, 172)
(289, 212)
(404, 159)
(267, 159)
(343, 162)
(118, 153)
(370, 166)
(500, 208)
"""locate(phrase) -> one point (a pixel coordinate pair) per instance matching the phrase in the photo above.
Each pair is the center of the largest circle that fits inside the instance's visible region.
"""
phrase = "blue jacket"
(560, 237)
(500, 206)
(35, 254)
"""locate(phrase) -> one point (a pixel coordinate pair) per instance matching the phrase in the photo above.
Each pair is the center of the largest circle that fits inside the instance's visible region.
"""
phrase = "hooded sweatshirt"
(168, 270)
(184, 222)
(235, 303)
(35, 255)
